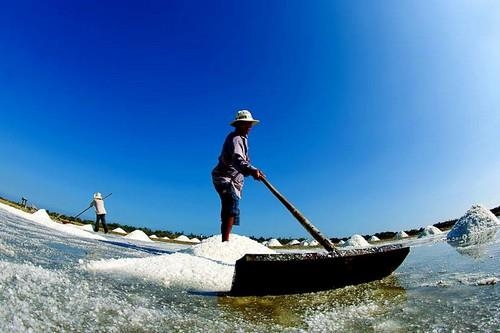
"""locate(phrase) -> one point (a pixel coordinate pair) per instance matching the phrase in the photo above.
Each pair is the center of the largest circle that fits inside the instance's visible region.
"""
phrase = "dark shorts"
(230, 203)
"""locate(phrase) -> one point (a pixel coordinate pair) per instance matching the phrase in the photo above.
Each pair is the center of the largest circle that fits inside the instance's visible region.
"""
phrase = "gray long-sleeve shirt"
(234, 162)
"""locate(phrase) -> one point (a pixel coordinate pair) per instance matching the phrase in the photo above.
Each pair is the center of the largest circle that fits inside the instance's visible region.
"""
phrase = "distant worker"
(100, 212)
(233, 166)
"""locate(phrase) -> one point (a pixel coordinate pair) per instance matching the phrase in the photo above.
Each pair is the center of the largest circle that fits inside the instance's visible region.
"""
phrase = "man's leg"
(104, 225)
(225, 227)
(96, 226)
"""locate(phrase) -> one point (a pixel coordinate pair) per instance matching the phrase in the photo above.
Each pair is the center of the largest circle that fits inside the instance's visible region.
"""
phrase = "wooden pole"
(83, 211)
(325, 242)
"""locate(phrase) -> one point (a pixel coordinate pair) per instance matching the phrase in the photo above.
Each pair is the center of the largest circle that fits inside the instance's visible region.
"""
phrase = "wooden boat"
(278, 274)
(291, 273)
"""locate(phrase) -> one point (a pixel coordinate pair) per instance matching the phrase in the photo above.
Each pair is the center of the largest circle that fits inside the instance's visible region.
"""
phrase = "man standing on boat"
(233, 166)
(100, 212)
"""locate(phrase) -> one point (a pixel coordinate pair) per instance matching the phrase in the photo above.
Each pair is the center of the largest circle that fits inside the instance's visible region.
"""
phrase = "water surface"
(45, 286)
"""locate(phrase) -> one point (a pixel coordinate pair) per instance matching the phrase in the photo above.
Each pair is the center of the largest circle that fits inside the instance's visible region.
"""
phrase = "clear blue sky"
(375, 115)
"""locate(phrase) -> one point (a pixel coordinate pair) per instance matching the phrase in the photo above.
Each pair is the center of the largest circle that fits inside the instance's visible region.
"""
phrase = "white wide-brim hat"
(97, 195)
(244, 116)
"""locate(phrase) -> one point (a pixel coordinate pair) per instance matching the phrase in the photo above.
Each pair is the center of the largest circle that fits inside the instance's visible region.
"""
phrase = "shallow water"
(46, 286)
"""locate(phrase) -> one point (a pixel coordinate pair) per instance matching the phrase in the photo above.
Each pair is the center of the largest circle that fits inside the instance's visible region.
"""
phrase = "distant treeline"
(385, 235)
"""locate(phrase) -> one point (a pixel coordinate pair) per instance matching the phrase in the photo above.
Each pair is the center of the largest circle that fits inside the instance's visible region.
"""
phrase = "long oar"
(83, 211)
(327, 244)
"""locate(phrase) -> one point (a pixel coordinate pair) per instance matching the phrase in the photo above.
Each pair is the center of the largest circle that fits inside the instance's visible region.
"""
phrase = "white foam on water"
(205, 267)
(469, 279)
(338, 319)
(52, 301)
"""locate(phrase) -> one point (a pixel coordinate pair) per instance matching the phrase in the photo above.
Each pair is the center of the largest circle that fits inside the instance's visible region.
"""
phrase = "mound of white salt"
(87, 227)
(119, 231)
(138, 235)
(471, 227)
(182, 238)
(356, 241)
(430, 230)
(314, 243)
(42, 217)
(274, 242)
(227, 252)
(374, 239)
(401, 235)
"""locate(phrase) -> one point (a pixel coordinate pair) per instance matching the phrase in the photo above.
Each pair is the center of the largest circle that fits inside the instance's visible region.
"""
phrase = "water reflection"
(474, 245)
(289, 310)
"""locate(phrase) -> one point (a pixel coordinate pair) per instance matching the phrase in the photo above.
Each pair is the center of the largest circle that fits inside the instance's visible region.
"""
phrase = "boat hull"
(287, 273)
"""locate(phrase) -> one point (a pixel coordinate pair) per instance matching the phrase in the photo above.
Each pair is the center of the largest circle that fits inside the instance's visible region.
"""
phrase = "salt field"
(63, 278)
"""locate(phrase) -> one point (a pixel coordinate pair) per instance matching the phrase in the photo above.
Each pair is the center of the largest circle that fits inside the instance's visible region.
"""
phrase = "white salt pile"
(153, 237)
(227, 252)
(87, 227)
(119, 231)
(138, 235)
(477, 223)
(293, 242)
(430, 230)
(274, 242)
(374, 239)
(182, 238)
(356, 241)
(208, 266)
(401, 235)
(41, 217)
(313, 243)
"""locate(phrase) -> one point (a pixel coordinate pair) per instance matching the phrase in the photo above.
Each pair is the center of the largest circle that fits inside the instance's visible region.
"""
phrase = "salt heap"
(227, 252)
(182, 238)
(374, 239)
(274, 242)
(119, 231)
(138, 235)
(356, 241)
(41, 217)
(472, 228)
(205, 267)
(87, 227)
(401, 235)
(314, 243)
(429, 231)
